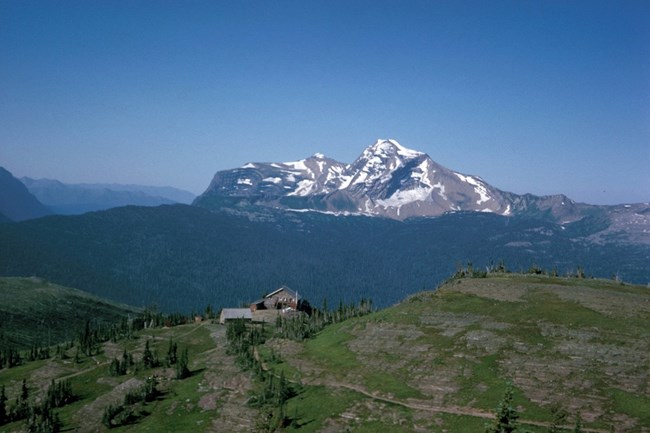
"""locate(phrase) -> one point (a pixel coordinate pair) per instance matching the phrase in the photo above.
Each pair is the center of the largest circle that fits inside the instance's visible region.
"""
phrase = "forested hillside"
(37, 313)
(182, 257)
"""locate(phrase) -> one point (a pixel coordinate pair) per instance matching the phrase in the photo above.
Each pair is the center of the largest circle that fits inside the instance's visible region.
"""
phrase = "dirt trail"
(453, 410)
(227, 389)
(449, 409)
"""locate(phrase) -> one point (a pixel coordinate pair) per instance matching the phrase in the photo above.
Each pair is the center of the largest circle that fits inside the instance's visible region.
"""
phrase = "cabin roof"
(290, 292)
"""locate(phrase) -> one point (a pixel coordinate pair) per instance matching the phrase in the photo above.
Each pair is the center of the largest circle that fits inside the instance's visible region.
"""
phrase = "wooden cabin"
(279, 299)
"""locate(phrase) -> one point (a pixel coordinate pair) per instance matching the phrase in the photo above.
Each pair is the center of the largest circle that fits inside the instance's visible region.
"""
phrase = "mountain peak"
(387, 180)
(386, 147)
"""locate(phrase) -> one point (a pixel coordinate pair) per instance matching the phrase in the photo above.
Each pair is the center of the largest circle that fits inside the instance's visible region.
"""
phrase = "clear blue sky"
(534, 96)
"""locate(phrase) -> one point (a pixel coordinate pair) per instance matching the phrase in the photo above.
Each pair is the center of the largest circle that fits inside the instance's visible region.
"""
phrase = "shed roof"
(236, 313)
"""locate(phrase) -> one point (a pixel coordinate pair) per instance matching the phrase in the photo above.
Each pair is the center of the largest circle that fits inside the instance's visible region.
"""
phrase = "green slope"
(36, 312)
(437, 362)
(440, 361)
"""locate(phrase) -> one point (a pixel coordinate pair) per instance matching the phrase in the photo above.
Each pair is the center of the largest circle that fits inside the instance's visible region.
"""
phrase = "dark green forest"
(184, 257)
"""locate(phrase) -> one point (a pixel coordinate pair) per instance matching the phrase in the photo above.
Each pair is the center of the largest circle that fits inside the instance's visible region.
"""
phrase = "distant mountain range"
(73, 199)
(16, 202)
(29, 198)
(389, 180)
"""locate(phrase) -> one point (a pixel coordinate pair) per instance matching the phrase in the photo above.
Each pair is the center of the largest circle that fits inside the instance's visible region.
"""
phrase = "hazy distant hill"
(16, 202)
(71, 199)
(184, 257)
(36, 312)
(170, 193)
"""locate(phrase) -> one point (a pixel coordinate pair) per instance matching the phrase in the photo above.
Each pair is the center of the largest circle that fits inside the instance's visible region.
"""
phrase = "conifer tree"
(4, 416)
(505, 416)
(559, 418)
(21, 409)
(578, 425)
(182, 369)
(172, 356)
(148, 359)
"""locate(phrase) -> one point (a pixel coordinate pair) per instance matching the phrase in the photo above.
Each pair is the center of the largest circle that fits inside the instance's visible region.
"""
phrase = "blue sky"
(534, 96)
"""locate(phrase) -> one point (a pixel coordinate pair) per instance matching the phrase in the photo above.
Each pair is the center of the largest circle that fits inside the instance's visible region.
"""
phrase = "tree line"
(40, 417)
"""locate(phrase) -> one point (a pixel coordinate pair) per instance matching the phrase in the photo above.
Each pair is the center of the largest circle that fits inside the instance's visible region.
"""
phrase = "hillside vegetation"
(436, 362)
(143, 256)
(440, 361)
(35, 312)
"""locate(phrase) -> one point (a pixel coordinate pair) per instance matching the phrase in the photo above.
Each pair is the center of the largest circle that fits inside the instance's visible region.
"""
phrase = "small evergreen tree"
(559, 418)
(148, 359)
(182, 369)
(505, 416)
(21, 408)
(172, 356)
(4, 415)
(578, 425)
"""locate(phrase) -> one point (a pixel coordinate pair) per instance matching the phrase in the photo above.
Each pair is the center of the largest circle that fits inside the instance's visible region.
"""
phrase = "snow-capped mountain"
(387, 180)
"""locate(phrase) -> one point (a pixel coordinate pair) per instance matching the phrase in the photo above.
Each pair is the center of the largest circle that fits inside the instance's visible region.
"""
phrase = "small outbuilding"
(235, 313)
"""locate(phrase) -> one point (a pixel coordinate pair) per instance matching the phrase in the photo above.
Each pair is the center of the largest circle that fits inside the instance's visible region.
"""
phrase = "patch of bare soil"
(607, 302)
(227, 390)
(484, 341)
(42, 377)
(113, 350)
(451, 324)
(87, 417)
(492, 290)
(289, 352)
(566, 371)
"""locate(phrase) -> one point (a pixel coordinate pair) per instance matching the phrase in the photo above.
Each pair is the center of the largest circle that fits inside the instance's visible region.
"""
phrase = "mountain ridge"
(387, 179)
(392, 181)
(73, 199)
(16, 202)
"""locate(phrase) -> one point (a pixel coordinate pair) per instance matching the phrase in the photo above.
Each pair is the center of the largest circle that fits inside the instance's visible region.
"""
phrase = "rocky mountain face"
(387, 179)
(16, 202)
(390, 180)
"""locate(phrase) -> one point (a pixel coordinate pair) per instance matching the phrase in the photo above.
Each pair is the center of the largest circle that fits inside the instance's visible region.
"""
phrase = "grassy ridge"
(36, 312)
(578, 344)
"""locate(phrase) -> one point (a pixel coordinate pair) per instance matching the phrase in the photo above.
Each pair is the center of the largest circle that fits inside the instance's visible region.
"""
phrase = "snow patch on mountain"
(402, 197)
(401, 150)
(297, 165)
(441, 190)
(479, 188)
(304, 188)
